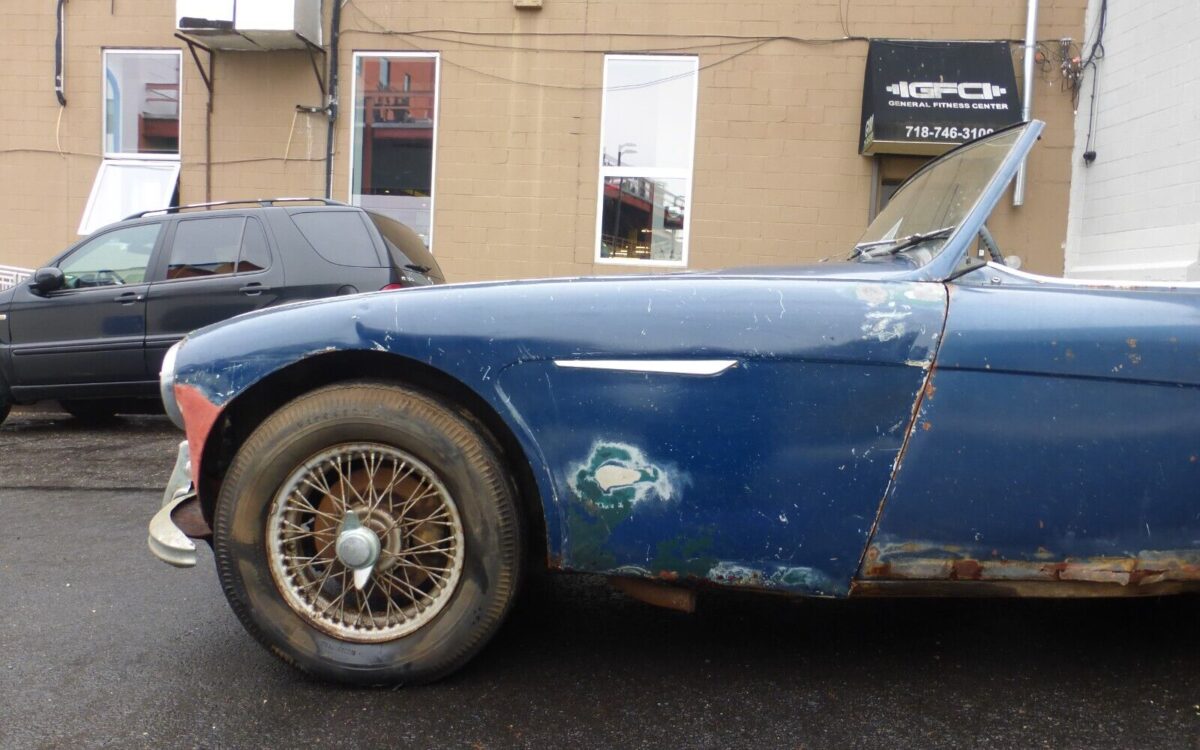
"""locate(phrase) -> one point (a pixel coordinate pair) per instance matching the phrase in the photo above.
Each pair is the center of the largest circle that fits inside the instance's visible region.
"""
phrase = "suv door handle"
(253, 289)
(128, 298)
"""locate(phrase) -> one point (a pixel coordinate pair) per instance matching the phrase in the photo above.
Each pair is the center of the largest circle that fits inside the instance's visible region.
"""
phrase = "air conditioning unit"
(251, 25)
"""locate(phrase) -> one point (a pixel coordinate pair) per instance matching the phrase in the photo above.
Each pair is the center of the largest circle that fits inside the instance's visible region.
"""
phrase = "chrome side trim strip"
(665, 366)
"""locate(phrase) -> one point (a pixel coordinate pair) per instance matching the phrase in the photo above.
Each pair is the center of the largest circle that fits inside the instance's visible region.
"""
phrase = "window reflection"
(650, 112)
(394, 121)
(643, 218)
(141, 102)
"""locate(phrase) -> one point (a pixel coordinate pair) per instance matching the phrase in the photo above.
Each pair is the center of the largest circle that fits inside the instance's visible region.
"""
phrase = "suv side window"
(217, 246)
(339, 237)
(112, 259)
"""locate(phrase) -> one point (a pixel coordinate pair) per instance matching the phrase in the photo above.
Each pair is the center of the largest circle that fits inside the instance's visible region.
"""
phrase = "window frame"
(437, 121)
(676, 173)
(128, 155)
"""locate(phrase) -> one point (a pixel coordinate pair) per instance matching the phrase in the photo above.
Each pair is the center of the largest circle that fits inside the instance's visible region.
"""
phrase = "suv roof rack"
(263, 202)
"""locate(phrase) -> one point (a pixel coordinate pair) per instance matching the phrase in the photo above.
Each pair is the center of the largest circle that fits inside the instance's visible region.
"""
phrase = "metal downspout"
(1031, 16)
(60, 54)
(331, 105)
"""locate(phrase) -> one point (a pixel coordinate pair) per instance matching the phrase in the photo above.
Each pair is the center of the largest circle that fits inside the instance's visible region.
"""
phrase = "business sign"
(928, 97)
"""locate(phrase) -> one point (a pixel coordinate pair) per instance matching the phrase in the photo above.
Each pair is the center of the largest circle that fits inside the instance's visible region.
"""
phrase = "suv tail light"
(393, 287)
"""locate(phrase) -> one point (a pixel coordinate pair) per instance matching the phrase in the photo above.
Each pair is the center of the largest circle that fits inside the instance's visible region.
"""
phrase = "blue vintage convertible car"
(377, 473)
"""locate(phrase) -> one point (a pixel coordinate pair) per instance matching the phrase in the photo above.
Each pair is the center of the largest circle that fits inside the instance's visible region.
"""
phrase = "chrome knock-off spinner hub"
(357, 548)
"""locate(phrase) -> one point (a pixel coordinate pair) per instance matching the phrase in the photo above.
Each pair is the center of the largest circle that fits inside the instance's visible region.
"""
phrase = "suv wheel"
(6, 401)
(90, 411)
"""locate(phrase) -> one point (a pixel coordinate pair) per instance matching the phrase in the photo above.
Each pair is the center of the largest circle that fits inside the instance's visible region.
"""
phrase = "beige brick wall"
(778, 178)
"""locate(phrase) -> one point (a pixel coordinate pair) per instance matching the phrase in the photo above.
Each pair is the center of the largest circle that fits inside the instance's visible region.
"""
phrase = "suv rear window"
(405, 246)
(338, 236)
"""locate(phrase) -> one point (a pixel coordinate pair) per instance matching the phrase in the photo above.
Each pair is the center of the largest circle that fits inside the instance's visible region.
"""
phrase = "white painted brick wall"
(1135, 212)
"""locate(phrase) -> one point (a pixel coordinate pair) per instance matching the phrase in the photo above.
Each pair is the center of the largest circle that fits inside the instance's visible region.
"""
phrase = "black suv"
(91, 328)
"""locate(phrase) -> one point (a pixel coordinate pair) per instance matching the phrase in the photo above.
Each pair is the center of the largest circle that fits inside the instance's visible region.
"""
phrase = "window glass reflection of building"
(647, 143)
(394, 136)
(141, 103)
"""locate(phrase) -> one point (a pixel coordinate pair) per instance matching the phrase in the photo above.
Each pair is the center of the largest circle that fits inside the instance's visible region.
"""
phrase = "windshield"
(921, 217)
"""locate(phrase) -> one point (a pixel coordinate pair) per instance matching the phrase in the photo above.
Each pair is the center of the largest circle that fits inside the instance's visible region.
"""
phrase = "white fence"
(11, 276)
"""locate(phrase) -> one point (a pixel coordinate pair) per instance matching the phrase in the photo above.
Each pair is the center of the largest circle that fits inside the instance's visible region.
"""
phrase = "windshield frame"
(943, 265)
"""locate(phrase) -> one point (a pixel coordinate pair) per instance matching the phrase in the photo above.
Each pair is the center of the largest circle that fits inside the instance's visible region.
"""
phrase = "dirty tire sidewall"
(5, 400)
(90, 411)
(463, 460)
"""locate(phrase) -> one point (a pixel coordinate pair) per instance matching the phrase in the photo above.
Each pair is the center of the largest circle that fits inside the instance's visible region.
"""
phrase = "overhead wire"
(467, 38)
(93, 155)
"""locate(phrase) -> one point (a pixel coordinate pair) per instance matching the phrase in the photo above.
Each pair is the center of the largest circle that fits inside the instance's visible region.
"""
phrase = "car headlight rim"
(166, 385)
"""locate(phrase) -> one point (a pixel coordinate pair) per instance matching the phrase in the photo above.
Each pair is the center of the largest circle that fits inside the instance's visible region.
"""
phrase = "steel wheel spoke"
(308, 507)
(429, 547)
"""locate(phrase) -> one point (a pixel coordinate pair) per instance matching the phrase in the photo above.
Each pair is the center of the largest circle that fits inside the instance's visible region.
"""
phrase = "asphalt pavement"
(103, 646)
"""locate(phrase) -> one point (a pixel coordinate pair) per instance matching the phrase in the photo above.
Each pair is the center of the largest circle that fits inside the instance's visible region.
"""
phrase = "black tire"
(90, 411)
(468, 467)
(5, 403)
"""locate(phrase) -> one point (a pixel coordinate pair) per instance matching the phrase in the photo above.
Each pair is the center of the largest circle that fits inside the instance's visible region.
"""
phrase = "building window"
(647, 142)
(141, 103)
(888, 174)
(140, 134)
(395, 137)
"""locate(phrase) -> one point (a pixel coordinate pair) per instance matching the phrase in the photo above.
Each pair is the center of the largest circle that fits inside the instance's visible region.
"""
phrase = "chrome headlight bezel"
(166, 385)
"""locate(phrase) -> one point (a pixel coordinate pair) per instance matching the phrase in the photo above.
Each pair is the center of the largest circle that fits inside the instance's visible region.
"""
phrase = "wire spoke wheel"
(381, 495)
(369, 533)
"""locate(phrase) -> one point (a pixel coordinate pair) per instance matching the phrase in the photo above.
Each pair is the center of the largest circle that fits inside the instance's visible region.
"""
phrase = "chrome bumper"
(166, 540)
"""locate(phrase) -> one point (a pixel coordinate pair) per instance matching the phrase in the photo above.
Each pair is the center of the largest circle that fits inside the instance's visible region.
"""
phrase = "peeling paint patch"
(732, 574)
(799, 578)
(925, 293)
(885, 325)
(617, 475)
(608, 486)
(872, 294)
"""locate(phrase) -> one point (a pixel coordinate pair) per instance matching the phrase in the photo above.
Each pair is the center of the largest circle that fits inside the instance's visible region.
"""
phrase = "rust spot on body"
(915, 561)
(679, 599)
(199, 415)
(966, 570)
(189, 517)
